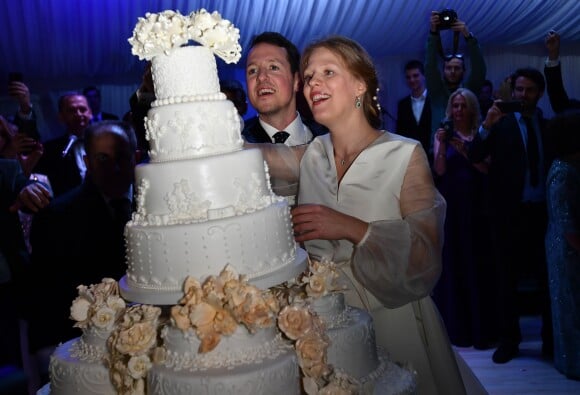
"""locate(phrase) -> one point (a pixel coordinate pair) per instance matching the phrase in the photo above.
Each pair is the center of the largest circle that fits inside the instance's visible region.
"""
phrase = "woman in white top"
(367, 201)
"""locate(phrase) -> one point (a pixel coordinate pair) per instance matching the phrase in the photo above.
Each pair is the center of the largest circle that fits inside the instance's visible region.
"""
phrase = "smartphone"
(447, 124)
(510, 106)
(15, 76)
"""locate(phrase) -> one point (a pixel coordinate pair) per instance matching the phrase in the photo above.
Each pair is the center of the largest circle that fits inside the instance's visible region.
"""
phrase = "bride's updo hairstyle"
(359, 63)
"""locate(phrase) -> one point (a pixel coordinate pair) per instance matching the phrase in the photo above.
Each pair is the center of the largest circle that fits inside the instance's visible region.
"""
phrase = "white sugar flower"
(97, 305)
(104, 318)
(79, 310)
(116, 303)
(162, 33)
(139, 366)
(159, 33)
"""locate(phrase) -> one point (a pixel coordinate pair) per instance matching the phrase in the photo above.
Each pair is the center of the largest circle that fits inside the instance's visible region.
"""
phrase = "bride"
(367, 201)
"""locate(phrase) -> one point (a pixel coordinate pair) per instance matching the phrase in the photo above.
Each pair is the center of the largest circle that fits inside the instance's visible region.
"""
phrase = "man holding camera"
(518, 147)
(441, 86)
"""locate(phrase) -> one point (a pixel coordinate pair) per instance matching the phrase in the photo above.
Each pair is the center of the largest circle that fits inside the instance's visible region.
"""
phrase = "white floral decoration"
(98, 305)
(308, 333)
(216, 307)
(157, 34)
(133, 349)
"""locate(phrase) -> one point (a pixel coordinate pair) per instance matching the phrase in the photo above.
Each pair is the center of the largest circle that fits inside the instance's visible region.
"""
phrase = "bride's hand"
(315, 221)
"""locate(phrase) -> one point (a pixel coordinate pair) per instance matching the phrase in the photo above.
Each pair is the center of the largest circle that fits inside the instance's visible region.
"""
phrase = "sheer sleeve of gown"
(400, 260)
(283, 161)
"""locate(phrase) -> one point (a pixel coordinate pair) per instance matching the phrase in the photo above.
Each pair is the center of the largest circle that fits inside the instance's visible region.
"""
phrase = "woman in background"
(463, 293)
(367, 201)
(563, 241)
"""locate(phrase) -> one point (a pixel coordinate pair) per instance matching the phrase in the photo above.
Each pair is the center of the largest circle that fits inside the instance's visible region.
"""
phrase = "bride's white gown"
(394, 268)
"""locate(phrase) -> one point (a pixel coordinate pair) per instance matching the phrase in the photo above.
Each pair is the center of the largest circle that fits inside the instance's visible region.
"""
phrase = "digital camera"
(447, 17)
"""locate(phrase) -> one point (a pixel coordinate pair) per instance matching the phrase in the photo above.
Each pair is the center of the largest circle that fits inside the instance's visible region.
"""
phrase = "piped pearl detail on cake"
(188, 99)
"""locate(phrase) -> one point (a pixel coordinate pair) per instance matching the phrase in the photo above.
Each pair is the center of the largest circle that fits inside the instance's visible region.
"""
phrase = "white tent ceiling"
(64, 44)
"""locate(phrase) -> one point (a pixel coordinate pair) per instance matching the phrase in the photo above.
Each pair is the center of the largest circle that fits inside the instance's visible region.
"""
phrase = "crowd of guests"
(497, 168)
(483, 197)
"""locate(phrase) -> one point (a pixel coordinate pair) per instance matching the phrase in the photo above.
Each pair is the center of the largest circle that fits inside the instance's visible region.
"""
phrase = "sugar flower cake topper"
(156, 34)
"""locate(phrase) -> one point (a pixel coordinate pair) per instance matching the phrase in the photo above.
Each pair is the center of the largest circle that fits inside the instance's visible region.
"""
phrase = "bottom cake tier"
(77, 367)
(241, 364)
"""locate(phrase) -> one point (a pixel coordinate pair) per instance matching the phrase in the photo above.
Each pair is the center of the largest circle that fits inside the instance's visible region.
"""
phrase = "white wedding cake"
(216, 298)
(202, 202)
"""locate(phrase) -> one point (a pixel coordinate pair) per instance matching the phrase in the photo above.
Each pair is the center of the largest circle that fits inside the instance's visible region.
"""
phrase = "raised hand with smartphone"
(510, 106)
(19, 91)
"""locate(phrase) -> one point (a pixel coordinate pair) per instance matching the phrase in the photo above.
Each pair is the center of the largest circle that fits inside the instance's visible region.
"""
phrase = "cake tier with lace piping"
(243, 363)
(353, 349)
(78, 366)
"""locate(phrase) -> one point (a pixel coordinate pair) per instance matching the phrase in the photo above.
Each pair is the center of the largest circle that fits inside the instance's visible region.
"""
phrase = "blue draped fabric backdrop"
(61, 45)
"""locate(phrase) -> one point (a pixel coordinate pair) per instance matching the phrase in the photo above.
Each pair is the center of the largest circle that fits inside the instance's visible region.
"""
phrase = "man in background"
(78, 238)
(441, 86)
(518, 147)
(414, 110)
(485, 98)
(93, 95)
(235, 93)
(62, 161)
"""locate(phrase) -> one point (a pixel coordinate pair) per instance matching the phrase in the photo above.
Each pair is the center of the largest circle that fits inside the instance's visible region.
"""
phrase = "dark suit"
(408, 126)
(62, 172)
(559, 99)
(12, 246)
(254, 132)
(16, 257)
(75, 241)
(518, 228)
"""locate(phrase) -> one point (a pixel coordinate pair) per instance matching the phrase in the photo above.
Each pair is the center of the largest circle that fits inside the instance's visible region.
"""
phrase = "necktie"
(532, 151)
(281, 137)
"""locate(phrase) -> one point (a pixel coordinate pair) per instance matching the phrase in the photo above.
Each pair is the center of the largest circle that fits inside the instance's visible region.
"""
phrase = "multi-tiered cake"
(202, 202)
(205, 206)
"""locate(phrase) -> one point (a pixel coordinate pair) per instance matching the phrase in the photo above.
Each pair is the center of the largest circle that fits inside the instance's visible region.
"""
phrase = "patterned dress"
(563, 199)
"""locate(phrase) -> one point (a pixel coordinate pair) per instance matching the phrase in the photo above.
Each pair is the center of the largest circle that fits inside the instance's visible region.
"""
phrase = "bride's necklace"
(347, 159)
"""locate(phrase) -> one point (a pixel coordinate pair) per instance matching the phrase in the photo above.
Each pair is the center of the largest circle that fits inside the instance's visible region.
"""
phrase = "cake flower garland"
(134, 349)
(307, 331)
(157, 34)
(98, 305)
(216, 307)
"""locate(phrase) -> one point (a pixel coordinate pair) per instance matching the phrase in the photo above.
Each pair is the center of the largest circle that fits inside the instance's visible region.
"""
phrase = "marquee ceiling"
(52, 41)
